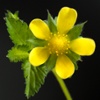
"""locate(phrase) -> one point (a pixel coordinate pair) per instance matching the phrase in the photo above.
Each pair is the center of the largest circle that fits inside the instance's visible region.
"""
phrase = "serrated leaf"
(10, 15)
(34, 78)
(20, 33)
(75, 32)
(18, 30)
(51, 23)
(17, 54)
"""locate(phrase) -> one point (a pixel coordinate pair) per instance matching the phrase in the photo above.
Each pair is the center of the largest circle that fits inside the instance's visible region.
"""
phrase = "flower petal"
(83, 46)
(64, 67)
(38, 56)
(39, 29)
(66, 19)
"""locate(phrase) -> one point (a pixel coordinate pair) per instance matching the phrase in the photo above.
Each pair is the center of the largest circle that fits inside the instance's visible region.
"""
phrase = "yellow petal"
(40, 29)
(64, 67)
(83, 46)
(38, 56)
(66, 19)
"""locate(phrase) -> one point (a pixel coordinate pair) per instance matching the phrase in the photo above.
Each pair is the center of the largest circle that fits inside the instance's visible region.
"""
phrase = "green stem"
(63, 86)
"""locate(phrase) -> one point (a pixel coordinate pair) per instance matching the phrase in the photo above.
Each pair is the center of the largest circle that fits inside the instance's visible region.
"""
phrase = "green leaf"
(51, 23)
(34, 78)
(17, 54)
(19, 31)
(75, 31)
(10, 15)
(74, 58)
(50, 63)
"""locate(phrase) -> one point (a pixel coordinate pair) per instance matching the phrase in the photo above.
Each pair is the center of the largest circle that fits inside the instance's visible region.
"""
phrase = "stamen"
(63, 35)
(68, 42)
(66, 52)
(67, 48)
(54, 34)
(61, 53)
(46, 39)
(58, 44)
(57, 54)
(50, 52)
(66, 35)
(56, 51)
(48, 44)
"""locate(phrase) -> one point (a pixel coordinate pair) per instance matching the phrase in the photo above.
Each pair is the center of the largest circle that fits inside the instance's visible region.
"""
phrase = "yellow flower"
(59, 43)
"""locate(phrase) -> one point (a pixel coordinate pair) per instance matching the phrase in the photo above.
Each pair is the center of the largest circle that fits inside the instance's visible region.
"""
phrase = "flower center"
(58, 44)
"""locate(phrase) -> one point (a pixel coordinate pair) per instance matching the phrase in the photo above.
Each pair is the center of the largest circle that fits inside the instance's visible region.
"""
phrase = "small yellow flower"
(59, 43)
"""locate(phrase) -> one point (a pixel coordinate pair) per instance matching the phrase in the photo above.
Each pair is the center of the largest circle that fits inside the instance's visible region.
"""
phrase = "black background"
(84, 85)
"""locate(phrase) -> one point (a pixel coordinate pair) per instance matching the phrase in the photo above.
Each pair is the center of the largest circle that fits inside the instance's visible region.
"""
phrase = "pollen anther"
(58, 44)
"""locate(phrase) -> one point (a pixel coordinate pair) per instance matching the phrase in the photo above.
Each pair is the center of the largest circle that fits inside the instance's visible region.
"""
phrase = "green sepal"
(51, 24)
(55, 19)
(75, 65)
(38, 42)
(76, 31)
(17, 54)
(74, 58)
(50, 63)
(34, 78)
